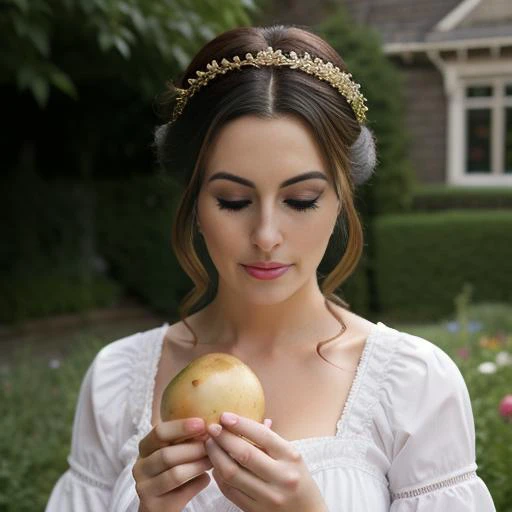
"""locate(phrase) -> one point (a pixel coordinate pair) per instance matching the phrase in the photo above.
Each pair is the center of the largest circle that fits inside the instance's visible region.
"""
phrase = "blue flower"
(452, 326)
(473, 326)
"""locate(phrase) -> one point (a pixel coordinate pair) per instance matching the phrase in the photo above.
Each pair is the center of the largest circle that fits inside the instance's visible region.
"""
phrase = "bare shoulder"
(353, 341)
(181, 335)
(357, 326)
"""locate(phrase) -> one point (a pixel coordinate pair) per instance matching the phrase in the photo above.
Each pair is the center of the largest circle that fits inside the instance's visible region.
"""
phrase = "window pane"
(479, 91)
(508, 141)
(508, 90)
(478, 136)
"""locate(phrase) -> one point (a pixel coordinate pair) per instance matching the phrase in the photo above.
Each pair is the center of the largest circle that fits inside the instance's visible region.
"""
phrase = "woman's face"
(248, 213)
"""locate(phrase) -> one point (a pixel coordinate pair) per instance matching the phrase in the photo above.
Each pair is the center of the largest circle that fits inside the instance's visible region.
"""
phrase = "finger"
(174, 477)
(267, 422)
(268, 440)
(233, 475)
(234, 495)
(168, 432)
(247, 455)
(169, 456)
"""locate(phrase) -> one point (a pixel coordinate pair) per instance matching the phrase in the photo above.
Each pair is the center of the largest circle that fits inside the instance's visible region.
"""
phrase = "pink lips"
(265, 274)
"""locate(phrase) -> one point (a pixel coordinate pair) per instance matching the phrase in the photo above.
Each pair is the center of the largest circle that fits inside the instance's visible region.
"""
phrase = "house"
(456, 58)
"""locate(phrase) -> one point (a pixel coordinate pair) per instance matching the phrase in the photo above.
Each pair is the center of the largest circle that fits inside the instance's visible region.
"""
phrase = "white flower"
(503, 358)
(54, 364)
(487, 367)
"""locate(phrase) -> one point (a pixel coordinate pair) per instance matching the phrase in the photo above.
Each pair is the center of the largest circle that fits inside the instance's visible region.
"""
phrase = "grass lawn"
(39, 387)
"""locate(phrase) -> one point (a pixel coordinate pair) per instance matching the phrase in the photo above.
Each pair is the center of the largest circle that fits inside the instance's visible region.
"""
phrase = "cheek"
(315, 227)
(222, 234)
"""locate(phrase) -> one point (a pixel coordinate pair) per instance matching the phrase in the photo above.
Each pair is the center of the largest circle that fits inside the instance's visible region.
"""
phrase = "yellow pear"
(211, 384)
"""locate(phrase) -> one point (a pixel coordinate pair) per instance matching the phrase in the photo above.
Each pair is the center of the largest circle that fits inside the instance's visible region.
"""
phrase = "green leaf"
(102, 4)
(64, 83)
(40, 39)
(127, 34)
(87, 6)
(122, 46)
(40, 90)
(138, 21)
(105, 40)
(180, 55)
(206, 32)
(22, 5)
(24, 77)
(249, 4)
(184, 28)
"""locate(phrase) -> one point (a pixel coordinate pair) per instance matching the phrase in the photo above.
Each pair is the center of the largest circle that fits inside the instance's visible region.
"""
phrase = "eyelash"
(300, 206)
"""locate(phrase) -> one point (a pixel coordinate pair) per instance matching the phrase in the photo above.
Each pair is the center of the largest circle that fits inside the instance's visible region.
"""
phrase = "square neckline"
(342, 418)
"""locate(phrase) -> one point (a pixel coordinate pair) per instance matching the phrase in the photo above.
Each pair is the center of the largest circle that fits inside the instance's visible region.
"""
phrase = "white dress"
(405, 440)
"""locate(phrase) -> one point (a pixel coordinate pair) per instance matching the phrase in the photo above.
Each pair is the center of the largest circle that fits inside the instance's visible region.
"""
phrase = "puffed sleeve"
(98, 430)
(433, 465)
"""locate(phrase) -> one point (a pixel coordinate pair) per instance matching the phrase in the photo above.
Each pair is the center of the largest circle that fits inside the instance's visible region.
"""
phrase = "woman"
(364, 417)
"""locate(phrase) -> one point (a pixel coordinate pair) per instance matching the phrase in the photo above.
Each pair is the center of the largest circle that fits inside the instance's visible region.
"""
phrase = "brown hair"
(266, 92)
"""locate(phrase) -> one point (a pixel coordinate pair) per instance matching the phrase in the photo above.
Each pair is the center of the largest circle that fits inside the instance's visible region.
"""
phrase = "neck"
(299, 322)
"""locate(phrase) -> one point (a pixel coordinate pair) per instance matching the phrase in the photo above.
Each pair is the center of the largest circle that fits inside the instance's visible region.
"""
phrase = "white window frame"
(458, 76)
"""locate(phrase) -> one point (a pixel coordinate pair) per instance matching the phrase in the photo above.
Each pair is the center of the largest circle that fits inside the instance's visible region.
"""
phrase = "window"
(488, 126)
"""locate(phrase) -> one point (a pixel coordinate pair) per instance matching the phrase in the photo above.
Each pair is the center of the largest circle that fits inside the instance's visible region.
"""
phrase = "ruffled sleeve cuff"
(79, 490)
(462, 492)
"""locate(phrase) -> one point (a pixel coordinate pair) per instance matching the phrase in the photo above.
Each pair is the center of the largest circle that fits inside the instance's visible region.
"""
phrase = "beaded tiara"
(317, 67)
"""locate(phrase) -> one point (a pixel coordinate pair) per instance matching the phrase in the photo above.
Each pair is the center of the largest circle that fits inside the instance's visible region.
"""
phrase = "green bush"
(134, 219)
(422, 260)
(29, 296)
(43, 267)
(446, 197)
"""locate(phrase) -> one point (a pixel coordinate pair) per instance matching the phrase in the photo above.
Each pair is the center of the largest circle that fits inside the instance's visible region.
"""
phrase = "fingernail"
(229, 418)
(195, 425)
(267, 422)
(215, 429)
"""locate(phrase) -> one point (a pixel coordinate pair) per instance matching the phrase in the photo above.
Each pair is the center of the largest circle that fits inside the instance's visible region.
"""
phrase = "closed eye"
(300, 206)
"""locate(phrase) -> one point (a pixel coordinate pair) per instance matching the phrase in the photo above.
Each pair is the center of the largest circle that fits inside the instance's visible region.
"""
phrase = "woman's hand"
(260, 471)
(172, 464)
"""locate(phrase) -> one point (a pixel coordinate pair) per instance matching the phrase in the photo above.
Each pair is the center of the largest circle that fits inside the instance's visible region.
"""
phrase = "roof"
(400, 21)
(421, 24)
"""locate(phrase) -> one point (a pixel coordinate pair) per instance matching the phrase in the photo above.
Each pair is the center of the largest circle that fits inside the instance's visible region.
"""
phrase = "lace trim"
(434, 487)
(84, 476)
(154, 354)
(142, 389)
(379, 352)
(356, 384)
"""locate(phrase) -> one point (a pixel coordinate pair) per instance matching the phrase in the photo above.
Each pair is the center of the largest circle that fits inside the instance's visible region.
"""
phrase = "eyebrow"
(286, 183)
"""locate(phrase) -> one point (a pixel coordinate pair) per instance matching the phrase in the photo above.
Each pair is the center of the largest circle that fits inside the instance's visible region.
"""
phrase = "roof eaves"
(456, 15)
(455, 44)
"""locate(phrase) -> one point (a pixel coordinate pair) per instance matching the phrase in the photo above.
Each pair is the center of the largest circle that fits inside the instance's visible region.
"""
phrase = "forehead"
(250, 146)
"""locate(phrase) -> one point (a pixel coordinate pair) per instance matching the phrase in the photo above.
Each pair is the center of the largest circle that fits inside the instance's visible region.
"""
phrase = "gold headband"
(269, 57)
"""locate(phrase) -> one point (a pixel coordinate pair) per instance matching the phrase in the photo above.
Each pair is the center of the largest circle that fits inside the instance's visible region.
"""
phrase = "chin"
(260, 294)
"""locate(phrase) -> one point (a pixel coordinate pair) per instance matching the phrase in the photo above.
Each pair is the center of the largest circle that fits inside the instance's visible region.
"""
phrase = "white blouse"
(405, 440)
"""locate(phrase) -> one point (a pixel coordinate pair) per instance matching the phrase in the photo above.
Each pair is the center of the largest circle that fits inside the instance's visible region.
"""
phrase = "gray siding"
(426, 122)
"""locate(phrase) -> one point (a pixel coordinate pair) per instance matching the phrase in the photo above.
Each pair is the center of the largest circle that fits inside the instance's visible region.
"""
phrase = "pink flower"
(463, 352)
(505, 408)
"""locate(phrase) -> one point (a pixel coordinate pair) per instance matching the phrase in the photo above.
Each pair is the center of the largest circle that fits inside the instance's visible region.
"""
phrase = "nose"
(266, 233)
